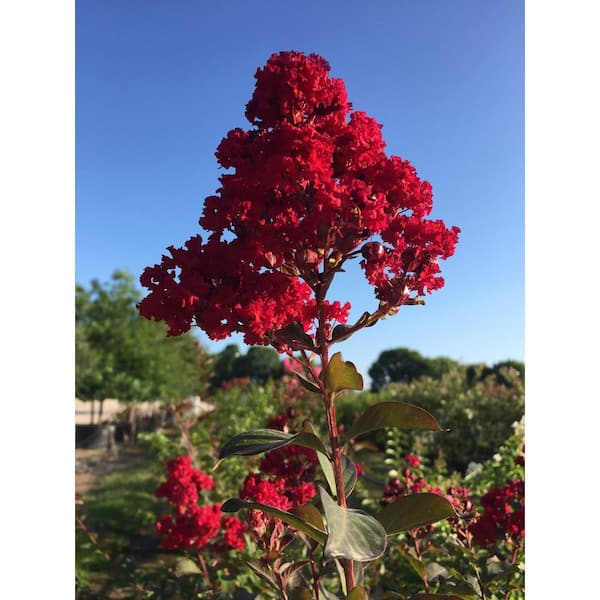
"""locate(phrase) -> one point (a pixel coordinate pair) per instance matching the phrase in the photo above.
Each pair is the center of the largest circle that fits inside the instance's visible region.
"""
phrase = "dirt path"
(93, 465)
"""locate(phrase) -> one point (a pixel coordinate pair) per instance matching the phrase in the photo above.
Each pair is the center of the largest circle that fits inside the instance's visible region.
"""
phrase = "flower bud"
(373, 251)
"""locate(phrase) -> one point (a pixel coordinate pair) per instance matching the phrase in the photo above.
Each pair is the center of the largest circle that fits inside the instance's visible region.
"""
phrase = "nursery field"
(131, 537)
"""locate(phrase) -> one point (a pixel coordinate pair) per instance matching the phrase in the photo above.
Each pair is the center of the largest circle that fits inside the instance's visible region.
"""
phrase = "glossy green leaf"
(255, 442)
(394, 414)
(341, 375)
(348, 472)
(265, 440)
(311, 515)
(235, 504)
(343, 332)
(307, 384)
(358, 593)
(416, 510)
(352, 533)
(308, 438)
(294, 334)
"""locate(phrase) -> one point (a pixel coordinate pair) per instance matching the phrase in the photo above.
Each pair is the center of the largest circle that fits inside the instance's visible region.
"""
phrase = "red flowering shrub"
(503, 515)
(193, 526)
(310, 186)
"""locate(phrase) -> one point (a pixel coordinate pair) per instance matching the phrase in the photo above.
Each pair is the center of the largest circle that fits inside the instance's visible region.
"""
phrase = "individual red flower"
(413, 460)
(307, 187)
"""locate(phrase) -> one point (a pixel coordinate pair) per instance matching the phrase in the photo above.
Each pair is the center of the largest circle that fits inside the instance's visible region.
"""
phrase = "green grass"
(121, 514)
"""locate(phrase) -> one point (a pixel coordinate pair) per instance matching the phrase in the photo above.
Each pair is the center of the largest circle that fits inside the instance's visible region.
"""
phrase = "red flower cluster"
(310, 186)
(411, 482)
(291, 470)
(285, 481)
(194, 526)
(503, 516)
(184, 482)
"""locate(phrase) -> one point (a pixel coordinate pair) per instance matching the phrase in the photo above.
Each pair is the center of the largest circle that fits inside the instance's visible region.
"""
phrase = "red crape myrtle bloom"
(193, 526)
(503, 515)
(307, 187)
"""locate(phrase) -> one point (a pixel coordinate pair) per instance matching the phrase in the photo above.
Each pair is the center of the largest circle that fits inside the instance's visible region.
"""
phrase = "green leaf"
(343, 332)
(235, 504)
(186, 566)
(308, 438)
(394, 414)
(255, 442)
(358, 593)
(434, 571)
(294, 334)
(309, 385)
(258, 568)
(265, 440)
(494, 566)
(300, 593)
(416, 510)
(348, 472)
(310, 514)
(352, 533)
(341, 375)
(416, 564)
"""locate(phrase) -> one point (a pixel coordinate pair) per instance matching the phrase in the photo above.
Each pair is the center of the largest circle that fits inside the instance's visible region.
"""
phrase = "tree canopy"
(402, 365)
(121, 355)
(259, 364)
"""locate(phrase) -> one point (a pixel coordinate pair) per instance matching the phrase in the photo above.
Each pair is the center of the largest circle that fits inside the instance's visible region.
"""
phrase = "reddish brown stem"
(315, 575)
(419, 555)
(332, 428)
(205, 573)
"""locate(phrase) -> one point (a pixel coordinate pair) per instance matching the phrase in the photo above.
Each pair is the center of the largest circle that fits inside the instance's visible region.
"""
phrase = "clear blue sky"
(160, 83)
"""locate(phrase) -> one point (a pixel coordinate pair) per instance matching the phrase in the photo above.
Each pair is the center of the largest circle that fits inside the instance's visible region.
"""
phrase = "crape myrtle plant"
(308, 188)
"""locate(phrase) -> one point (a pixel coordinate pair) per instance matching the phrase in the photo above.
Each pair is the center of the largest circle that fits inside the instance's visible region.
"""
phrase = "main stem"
(332, 429)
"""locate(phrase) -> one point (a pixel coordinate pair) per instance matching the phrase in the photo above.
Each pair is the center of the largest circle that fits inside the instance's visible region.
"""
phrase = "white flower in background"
(473, 469)
(519, 426)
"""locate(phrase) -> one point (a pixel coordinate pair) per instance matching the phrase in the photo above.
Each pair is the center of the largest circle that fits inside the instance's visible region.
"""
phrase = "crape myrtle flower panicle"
(307, 187)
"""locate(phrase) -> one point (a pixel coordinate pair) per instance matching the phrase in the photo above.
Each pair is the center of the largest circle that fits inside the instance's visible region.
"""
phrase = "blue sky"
(158, 84)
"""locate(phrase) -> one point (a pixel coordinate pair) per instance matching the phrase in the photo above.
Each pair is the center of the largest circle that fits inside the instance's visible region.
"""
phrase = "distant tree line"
(121, 355)
(403, 365)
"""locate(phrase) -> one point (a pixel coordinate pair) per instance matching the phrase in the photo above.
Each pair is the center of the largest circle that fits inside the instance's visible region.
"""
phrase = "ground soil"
(93, 465)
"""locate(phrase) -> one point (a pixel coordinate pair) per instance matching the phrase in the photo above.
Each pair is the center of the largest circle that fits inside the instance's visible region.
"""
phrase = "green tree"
(402, 365)
(259, 365)
(223, 369)
(501, 372)
(120, 355)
